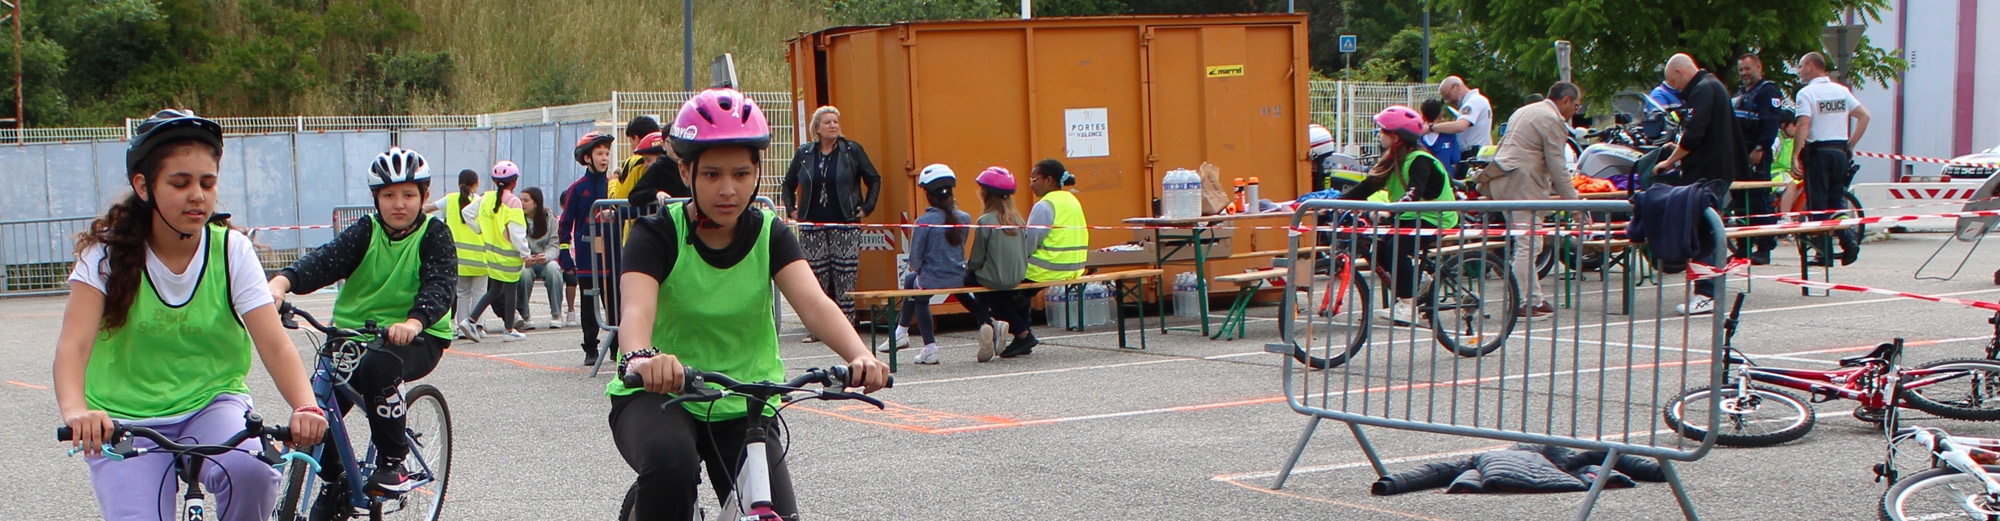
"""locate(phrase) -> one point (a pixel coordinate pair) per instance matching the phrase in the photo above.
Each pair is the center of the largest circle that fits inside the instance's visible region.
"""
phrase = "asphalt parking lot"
(1187, 429)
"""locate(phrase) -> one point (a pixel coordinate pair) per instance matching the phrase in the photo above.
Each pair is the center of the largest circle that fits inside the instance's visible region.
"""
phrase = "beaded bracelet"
(627, 359)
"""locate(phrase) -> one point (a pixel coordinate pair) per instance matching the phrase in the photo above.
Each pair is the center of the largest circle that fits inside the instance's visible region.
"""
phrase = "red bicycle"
(1760, 415)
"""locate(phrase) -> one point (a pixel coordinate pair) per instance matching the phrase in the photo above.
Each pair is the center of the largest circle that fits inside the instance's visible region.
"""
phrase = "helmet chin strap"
(163, 217)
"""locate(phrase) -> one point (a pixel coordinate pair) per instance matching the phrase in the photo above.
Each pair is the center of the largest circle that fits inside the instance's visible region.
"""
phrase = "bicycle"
(1453, 297)
(750, 499)
(1868, 379)
(188, 459)
(428, 427)
(1961, 478)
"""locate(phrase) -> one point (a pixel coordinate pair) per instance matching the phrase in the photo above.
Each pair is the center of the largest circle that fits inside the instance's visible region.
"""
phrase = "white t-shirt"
(248, 289)
(1828, 104)
(1476, 109)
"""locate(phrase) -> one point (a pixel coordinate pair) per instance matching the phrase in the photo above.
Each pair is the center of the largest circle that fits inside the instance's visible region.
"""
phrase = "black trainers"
(1021, 346)
(589, 358)
(389, 479)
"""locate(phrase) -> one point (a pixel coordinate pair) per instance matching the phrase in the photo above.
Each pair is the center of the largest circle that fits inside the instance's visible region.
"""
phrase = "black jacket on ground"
(853, 170)
(1713, 140)
(1522, 468)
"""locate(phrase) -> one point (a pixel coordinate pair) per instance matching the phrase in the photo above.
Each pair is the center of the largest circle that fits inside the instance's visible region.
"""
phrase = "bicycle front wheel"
(1962, 389)
(428, 425)
(1471, 304)
(1940, 493)
(1344, 320)
(1762, 417)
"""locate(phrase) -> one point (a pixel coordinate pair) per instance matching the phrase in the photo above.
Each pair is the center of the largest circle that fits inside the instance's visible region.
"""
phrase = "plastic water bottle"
(1181, 189)
(1250, 197)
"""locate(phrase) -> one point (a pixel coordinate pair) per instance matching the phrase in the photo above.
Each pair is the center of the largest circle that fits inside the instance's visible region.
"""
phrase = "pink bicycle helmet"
(1401, 119)
(718, 117)
(505, 170)
(996, 178)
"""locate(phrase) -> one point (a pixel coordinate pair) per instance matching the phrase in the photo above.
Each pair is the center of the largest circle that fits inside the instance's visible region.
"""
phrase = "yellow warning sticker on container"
(1224, 71)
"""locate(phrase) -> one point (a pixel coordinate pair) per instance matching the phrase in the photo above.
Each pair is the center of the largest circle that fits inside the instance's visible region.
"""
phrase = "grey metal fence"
(38, 253)
(1346, 107)
(1428, 326)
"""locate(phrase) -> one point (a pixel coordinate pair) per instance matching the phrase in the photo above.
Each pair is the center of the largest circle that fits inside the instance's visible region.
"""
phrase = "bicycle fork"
(194, 506)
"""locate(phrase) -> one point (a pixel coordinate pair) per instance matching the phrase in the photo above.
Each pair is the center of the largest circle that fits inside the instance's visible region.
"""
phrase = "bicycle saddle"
(1881, 352)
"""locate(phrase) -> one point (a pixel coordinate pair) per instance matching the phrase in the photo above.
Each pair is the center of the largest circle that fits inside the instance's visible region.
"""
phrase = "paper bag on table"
(1215, 196)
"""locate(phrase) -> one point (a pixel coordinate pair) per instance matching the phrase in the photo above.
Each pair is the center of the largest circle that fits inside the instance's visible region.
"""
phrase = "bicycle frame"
(189, 459)
(1868, 383)
(329, 393)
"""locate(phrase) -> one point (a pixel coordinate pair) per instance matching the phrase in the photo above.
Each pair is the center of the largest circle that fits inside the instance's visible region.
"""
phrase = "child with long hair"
(505, 228)
(166, 305)
(540, 264)
(1406, 172)
(998, 261)
(937, 259)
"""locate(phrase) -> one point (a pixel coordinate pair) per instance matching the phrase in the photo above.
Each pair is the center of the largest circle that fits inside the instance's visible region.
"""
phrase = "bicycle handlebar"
(831, 379)
(287, 312)
(253, 427)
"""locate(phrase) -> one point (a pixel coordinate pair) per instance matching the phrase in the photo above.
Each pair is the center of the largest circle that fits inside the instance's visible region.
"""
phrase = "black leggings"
(379, 379)
(501, 296)
(668, 447)
(590, 325)
(1013, 306)
(1401, 254)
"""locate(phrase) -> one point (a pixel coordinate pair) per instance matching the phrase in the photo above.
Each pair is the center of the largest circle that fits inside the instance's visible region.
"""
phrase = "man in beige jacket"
(1531, 165)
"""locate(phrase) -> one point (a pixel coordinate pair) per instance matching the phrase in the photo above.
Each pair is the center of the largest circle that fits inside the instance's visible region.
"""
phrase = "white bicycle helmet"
(398, 166)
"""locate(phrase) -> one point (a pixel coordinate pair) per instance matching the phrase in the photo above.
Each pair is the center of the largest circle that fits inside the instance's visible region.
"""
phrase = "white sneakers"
(1401, 314)
(470, 331)
(569, 320)
(513, 336)
(895, 343)
(987, 338)
(1696, 305)
(929, 356)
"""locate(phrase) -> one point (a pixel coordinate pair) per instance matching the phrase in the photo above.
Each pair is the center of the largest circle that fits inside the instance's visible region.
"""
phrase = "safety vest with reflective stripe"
(1399, 183)
(1063, 252)
(471, 246)
(494, 216)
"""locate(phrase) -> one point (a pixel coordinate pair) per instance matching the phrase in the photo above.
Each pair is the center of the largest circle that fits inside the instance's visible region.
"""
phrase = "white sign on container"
(1087, 133)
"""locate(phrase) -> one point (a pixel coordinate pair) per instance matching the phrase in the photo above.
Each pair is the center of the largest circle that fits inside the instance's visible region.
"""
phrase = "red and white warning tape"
(1918, 159)
(1869, 220)
(1739, 267)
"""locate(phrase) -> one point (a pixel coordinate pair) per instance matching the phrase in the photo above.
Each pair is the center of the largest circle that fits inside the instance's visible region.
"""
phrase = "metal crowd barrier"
(36, 255)
(1466, 361)
(605, 243)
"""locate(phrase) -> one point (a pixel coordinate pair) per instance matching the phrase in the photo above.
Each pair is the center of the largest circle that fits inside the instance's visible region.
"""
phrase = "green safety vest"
(1781, 164)
(1398, 184)
(385, 285)
(505, 262)
(172, 360)
(471, 246)
(717, 320)
(1062, 254)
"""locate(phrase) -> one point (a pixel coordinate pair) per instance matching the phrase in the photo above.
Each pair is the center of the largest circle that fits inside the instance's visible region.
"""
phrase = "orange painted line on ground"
(1359, 506)
(892, 425)
(513, 361)
(29, 385)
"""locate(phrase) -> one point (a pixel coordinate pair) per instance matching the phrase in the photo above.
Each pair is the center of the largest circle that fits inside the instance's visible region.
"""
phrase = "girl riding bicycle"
(697, 291)
(401, 269)
(165, 306)
(1405, 173)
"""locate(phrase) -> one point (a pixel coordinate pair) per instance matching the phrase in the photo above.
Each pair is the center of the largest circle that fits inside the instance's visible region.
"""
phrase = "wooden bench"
(883, 303)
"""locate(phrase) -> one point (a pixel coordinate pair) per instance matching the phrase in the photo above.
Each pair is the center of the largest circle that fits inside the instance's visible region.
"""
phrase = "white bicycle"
(1961, 481)
(751, 497)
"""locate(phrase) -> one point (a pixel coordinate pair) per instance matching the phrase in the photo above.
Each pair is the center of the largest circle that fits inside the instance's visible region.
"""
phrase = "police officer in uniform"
(1823, 161)
(1757, 111)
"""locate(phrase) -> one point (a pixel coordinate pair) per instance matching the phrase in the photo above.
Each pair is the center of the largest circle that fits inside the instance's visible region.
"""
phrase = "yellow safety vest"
(471, 246)
(494, 216)
(1063, 253)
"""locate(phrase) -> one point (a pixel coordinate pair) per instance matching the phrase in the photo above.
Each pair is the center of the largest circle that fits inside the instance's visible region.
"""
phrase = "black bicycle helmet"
(167, 127)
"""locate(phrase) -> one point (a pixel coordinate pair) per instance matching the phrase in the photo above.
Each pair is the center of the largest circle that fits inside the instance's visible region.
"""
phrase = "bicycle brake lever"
(300, 456)
(705, 396)
(842, 395)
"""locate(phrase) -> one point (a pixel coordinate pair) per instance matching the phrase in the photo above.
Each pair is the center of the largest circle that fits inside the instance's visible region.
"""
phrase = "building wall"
(1931, 110)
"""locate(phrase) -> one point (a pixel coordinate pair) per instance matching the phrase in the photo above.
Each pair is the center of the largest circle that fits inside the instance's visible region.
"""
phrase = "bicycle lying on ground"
(1760, 415)
(1456, 297)
(428, 427)
(188, 459)
(750, 499)
(1960, 481)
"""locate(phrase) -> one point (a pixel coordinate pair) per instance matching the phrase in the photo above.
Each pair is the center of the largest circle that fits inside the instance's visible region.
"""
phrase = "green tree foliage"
(1506, 47)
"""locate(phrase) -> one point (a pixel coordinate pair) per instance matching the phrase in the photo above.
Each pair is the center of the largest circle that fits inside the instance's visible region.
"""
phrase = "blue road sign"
(1349, 42)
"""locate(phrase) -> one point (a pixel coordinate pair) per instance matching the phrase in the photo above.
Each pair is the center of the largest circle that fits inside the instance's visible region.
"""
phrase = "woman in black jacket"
(823, 191)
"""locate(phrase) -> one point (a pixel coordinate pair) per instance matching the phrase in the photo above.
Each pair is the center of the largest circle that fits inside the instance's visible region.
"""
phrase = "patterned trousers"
(835, 256)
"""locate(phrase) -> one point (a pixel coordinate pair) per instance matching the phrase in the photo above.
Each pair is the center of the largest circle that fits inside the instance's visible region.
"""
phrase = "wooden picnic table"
(1195, 232)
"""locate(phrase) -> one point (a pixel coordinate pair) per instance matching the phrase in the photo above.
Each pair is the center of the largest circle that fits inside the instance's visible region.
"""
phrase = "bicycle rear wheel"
(1471, 303)
(1965, 389)
(428, 425)
(1940, 493)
